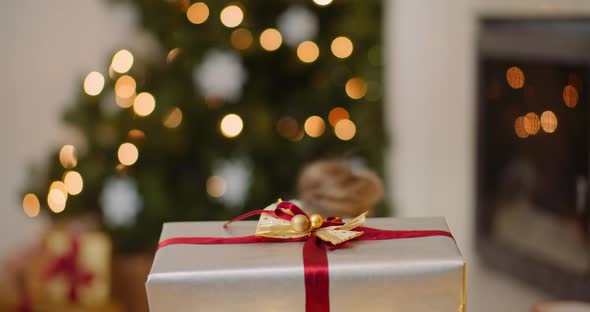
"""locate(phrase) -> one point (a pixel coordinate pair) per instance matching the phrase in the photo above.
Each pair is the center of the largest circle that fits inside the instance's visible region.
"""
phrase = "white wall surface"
(46, 48)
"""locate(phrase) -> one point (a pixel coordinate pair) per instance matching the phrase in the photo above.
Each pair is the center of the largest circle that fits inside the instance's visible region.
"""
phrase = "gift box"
(406, 273)
(72, 273)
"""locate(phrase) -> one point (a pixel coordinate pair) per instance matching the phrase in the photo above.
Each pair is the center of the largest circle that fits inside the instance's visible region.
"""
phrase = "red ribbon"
(315, 256)
(68, 266)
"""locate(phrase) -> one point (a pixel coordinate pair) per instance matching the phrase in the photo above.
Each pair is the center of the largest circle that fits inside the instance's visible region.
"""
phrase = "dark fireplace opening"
(533, 216)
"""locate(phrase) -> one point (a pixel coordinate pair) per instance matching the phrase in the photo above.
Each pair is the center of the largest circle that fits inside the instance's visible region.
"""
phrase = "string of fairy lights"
(230, 125)
(531, 123)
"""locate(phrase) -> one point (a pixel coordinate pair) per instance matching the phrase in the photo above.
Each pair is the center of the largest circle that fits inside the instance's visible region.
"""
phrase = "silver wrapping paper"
(417, 274)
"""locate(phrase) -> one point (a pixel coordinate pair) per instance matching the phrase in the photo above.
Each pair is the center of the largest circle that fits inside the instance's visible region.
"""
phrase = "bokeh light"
(356, 88)
(241, 39)
(68, 156)
(532, 124)
(182, 4)
(122, 61)
(93, 83)
(337, 114)
(345, 129)
(314, 126)
(125, 88)
(548, 121)
(515, 77)
(231, 16)
(519, 128)
(215, 186)
(299, 136)
(73, 182)
(308, 51)
(57, 196)
(31, 205)
(570, 96)
(173, 118)
(322, 2)
(231, 125)
(271, 39)
(197, 13)
(288, 127)
(342, 47)
(172, 55)
(144, 104)
(136, 135)
(128, 154)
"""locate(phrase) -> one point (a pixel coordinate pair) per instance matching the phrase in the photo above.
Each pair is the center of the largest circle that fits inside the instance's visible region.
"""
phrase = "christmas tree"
(220, 117)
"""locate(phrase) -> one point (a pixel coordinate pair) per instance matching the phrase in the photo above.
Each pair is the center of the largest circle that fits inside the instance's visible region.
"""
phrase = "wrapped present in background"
(76, 268)
(68, 270)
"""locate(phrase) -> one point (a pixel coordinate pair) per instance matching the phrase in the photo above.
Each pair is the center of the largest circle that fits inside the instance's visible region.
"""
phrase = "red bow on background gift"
(68, 266)
(318, 236)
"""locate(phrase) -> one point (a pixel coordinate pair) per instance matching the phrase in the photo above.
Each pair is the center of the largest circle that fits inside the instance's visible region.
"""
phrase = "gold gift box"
(94, 257)
(414, 274)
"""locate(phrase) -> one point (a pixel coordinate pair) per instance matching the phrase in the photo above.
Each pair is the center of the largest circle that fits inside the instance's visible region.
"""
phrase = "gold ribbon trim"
(273, 227)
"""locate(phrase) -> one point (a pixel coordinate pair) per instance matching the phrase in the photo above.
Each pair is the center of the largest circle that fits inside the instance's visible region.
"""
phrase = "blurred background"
(120, 115)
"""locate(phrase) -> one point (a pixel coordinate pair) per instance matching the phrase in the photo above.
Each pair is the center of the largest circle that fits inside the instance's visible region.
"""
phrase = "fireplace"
(533, 218)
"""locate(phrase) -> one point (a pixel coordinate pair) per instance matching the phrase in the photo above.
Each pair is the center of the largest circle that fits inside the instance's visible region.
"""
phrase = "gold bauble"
(300, 223)
(316, 221)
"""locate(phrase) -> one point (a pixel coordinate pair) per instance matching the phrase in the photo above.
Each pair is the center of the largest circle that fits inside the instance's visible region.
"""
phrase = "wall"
(47, 48)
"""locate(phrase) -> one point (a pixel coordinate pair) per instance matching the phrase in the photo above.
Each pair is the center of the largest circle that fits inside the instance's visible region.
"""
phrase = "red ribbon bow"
(315, 256)
(68, 266)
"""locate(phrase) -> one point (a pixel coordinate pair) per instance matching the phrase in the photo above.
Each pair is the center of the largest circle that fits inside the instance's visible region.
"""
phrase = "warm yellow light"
(125, 88)
(288, 127)
(308, 51)
(144, 104)
(548, 121)
(241, 39)
(172, 55)
(271, 39)
(231, 125)
(68, 156)
(519, 128)
(122, 61)
(93, 83)
(345, 129)
(74, 183)
(515, 77)
(173, 118)
(135, 135)
(197, 13)
(57, 196)
(215, 186)
(314, 126)
(31, 205)
(322, 2)
(337, 114)
(125, 102)
(356, 88)
(127, 154)
(231, 16)
(570, 96)
(120, 168)
(341, 47)
(532, 124)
